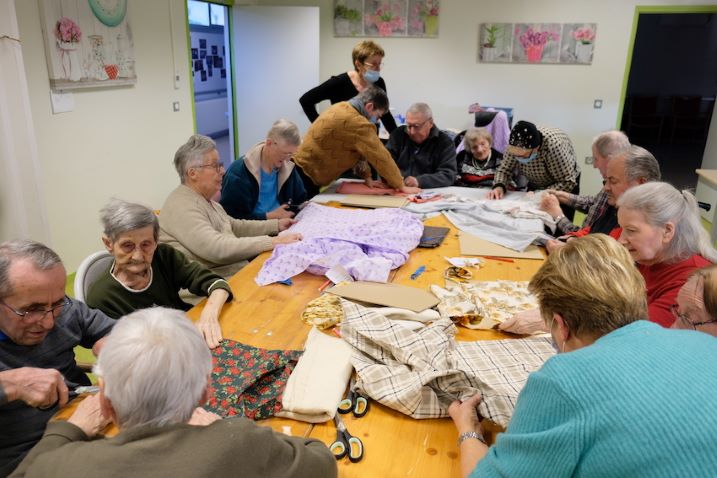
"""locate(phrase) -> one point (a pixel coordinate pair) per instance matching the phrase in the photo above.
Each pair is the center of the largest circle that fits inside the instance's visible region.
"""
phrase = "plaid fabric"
(554, 168)
(420, 372)
(595, 205)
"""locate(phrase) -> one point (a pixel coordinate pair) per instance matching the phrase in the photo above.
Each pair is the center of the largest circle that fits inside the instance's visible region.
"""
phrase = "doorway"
(211, 70)
(670, 90)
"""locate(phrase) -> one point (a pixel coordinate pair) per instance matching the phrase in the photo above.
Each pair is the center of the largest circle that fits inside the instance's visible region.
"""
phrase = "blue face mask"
(371, 76)
(374, 119)
(528, 159)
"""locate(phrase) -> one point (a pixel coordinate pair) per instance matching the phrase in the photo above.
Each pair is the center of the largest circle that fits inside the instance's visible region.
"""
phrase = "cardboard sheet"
(475, 246)
(391, 295)
(373, 201)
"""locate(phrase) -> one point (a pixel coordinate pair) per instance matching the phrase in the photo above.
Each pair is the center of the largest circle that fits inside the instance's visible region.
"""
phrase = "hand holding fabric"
(286, 223)
(88, 416)
(526, 322)
(550, 204)
(286, 238)
(281, 212)
(208, 323)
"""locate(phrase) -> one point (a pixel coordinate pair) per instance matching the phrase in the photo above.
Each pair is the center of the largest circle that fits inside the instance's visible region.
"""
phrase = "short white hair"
(155, 366)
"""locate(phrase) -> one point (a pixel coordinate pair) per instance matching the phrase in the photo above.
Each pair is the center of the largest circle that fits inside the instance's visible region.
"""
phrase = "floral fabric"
(248, 381)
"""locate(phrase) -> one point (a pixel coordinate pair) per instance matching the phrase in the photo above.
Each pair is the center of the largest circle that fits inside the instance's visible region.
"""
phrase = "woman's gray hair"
(155, 366)
(474, 134)
(375, 95)
(192, 153)
(421, 109)
(661, 203)
(119, 217)
(641, 164)
(610, 143)
(285, 131)
(41, 256)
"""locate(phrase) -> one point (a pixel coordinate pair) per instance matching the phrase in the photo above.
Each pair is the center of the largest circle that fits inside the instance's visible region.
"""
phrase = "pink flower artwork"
(584, 35)
(66, 30)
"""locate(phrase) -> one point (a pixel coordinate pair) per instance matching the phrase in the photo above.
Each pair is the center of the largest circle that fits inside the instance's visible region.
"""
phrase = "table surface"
(269, 317)
(709, 175)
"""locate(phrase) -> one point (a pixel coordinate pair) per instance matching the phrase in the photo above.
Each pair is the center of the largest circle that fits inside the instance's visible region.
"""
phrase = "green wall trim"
(226, 3)
(190, 71)
(657, 9)
(230, 26)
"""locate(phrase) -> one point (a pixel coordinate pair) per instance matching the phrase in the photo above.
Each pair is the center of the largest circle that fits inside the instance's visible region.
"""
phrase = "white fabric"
(22, 205)
(395, 313)
(318, 382)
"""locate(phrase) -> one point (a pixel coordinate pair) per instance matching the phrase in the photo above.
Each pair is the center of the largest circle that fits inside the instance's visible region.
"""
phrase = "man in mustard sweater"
(343, 137)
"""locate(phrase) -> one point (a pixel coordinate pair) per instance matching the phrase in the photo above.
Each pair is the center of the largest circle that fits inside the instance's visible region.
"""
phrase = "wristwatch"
(466, 435)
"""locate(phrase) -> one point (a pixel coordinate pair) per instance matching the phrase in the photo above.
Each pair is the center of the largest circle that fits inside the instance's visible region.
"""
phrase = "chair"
(88, 272)
(642, 115)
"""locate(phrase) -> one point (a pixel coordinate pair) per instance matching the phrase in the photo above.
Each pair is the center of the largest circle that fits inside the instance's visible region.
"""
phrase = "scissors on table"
(346, 444)
(354, 402)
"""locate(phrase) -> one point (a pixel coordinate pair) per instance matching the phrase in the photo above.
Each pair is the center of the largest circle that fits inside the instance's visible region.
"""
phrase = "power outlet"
(597, 104)
(175, 106)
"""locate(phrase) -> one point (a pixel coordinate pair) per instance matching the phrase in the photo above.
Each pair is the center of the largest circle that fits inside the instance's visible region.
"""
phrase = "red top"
(664, 282)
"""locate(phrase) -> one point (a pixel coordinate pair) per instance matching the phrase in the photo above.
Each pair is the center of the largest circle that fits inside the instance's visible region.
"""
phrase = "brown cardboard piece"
(373, 202)
(475, 246)
(391, 295)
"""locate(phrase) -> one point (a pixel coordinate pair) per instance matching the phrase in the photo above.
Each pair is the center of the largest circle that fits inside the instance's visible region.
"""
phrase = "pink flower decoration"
(67, 31)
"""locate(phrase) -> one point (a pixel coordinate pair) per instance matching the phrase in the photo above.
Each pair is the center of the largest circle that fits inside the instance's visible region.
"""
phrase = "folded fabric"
(396, 313)
(350, 187)
(420, 372)
(318, 382)
(248, 381)
(368, 244)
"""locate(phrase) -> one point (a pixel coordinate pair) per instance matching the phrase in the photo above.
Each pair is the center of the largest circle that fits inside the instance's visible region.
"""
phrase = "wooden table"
(395, 444)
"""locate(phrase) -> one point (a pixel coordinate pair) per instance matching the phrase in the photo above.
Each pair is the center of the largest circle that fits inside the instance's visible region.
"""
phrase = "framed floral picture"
(386, 18)
(88, 43)
(576, 45)
(536, 42)
(495, 42)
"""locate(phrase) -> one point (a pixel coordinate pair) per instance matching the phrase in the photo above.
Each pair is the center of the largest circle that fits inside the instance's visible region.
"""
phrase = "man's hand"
(285, 223)
(464, 414)
(201, 417)
(409, 190)
(208, 323)
(496, 193)
(376, 184)
(562, 196)
(526, 322)
(280, 212)
(286, 238)
(411, 182)
(38, 387)
(88, 416)
(550, 204)
(553, 245)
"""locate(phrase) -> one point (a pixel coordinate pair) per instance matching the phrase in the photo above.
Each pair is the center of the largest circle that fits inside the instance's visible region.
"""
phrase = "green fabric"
(171, 271)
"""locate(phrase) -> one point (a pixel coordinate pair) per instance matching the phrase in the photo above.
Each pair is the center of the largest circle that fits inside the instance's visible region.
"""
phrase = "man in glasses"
(425, 155)
(39, 328)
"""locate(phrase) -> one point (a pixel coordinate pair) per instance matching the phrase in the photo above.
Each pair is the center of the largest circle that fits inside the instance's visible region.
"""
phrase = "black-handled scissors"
(354, 402)
(346, 444)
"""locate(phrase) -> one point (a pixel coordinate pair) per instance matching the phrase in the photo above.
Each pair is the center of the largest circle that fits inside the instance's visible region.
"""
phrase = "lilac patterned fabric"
(367, 243)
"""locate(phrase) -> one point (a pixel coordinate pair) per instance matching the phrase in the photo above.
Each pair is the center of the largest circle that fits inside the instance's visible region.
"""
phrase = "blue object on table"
(285, 282)
(418, 272)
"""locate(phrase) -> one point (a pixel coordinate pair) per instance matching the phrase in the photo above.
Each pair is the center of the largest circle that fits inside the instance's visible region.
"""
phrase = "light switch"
(597, 104)
(175, 106)
(62, 102)
(589, 160)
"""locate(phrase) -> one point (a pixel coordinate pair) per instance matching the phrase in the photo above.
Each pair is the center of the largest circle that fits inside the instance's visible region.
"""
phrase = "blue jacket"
(240, 186)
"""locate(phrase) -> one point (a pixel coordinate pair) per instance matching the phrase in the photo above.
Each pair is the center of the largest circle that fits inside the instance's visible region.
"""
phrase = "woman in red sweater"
(662, 231)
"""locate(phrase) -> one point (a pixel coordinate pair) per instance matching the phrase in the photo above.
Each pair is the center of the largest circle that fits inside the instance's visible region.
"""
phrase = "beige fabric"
(319, 380)
(339, 139)
(205, 233)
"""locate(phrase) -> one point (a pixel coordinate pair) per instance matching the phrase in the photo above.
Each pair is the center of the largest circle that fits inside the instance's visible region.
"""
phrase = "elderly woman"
(199, 227)
(147, 274)
(662, 231)
(367, 59)
(580, 414)
(696, 306)
(478, 160)
(153, 375)
(264, 184)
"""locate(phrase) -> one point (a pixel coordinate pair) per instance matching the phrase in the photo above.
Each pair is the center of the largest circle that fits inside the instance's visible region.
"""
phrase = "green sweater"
(229, 447)
(171, 271)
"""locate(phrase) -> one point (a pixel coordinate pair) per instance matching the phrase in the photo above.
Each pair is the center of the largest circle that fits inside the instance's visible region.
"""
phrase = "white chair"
(88, 272)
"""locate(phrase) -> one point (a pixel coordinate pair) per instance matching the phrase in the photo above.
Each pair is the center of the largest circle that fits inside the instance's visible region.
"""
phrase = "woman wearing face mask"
(545, 156)
(661, 230)
(367, 59)
(580, 414)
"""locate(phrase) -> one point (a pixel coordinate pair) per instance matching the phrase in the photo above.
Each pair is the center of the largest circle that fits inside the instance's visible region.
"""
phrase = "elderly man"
(198, 226)
(344, 137)
(605, 146)
(425, 155)
(153, 374)
(545, 156)
(264, 184)
(145, 274)
(39, 328)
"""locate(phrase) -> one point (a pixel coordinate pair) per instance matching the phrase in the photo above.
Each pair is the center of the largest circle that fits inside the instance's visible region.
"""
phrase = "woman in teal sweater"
(624, 397)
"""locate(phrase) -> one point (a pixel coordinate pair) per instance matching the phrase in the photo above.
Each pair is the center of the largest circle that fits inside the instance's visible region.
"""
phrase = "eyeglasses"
(36, 314)
(683, 317)
(216, 166)
(417, 125)
(374, 65)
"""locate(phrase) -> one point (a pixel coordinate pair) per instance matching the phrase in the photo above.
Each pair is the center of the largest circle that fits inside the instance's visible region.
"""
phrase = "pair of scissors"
(354, 402)
(346, 444)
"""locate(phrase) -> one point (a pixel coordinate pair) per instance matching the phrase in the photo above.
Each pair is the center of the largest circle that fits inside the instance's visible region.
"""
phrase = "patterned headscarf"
(524, 136)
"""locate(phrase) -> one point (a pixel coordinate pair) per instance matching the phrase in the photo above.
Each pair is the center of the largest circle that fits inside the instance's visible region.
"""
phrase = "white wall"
(117, 141)
(444, 72)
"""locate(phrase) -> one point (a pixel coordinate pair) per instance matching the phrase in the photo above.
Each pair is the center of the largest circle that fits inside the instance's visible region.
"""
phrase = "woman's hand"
(526, 322)
(496, 193)
(465, 415)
